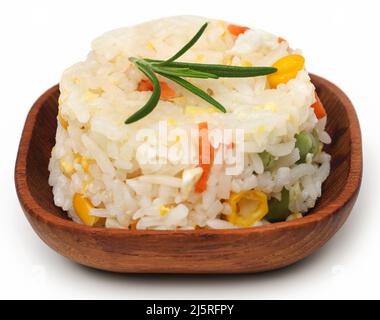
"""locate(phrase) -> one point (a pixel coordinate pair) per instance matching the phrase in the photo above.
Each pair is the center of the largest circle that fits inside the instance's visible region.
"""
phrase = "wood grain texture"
(199, 251)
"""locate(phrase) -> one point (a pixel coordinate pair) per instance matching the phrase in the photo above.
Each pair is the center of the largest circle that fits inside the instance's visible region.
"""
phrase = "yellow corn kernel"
(116, 58)
(287, 69)
(222, 23)
(92, 94)
(67, 168)
(261, 129)
(150, 45)
(63, 122)
(164, 209)
(268, 107)
(98, 91)
(82, 207)
(76, 80)
(62, 98)
(227, 60)
(179, 100)
(258, 130)
(77, 158)
(199, 110)
(271, 107)
(246, 63)
(200, 58)
(247, 208)
(83, 161)
(86, 163)
(171, 122)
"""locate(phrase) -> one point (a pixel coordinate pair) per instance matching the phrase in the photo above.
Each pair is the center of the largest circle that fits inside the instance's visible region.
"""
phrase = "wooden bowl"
(199, 251)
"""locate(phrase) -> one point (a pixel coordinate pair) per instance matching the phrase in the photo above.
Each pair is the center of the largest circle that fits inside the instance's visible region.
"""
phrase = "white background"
(340, 39)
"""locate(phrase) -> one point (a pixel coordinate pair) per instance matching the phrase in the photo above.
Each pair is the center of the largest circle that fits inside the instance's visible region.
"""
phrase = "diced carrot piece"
(236, 29)
(167, 92)
(145, 85)
(280, 40)
(319, 109)
(231, 145)
(205, 157)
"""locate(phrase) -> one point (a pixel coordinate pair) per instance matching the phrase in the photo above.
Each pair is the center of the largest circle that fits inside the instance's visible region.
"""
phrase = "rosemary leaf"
(154, 98)
(184, 72)
(188, 45)
(221, 70)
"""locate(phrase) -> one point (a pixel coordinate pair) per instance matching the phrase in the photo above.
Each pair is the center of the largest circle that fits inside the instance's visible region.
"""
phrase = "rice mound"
(98, 156)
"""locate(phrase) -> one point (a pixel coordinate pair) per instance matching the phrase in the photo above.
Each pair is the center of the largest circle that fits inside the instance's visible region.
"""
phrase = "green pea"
(304, 143)
(317, 145)
(267, 159)
(279, 210)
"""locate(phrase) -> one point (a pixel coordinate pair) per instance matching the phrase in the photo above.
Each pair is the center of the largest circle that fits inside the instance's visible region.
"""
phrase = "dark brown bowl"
(199, 251)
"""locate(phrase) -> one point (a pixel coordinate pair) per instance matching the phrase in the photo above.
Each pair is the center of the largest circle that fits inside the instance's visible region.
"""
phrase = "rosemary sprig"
(175, 71)
(220, 70)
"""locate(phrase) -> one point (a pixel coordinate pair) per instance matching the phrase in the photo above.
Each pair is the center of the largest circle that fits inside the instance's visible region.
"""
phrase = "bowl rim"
(33, 208)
